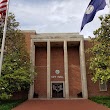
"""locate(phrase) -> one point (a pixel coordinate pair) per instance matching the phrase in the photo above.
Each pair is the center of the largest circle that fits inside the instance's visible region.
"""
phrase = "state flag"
(93, 7)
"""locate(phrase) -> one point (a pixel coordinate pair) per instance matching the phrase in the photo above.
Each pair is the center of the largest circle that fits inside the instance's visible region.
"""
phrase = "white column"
(48, 69)
(66, 70)
(83, 70)
(32, 60)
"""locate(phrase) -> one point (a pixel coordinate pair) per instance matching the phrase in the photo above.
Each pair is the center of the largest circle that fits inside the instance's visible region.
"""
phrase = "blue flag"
(93, 7)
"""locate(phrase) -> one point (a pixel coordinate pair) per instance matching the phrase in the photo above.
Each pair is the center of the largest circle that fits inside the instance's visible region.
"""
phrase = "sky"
(54, 16)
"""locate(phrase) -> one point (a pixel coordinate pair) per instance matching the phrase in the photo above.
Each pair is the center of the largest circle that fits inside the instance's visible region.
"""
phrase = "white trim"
(83, 69)
(32, 61)
(29, 31)
(57, 40)
(48, 68)
(63, 87)
(66, 69)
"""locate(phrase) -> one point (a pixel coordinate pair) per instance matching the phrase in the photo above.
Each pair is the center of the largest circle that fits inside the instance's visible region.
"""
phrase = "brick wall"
(57, 63)
(41, 69)
(28, 39)
(93, 88)
(74, 71)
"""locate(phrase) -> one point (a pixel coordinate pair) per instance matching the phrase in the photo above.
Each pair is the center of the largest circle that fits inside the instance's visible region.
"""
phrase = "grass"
(8, 105)
(102, 100)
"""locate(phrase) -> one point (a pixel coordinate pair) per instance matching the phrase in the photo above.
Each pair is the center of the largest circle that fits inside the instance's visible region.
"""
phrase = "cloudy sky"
(54, 16)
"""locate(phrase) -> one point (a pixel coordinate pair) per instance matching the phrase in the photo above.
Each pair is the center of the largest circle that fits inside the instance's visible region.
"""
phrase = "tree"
(99, 61)
(16, 72)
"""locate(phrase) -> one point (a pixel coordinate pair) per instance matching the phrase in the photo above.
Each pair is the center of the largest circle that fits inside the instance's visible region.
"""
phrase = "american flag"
(3, 8)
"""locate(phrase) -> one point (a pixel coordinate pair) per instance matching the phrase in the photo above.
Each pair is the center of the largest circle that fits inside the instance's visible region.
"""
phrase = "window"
(103, 87)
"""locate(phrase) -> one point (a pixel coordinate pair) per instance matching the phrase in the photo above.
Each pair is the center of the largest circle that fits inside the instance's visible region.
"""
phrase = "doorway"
(57, 90)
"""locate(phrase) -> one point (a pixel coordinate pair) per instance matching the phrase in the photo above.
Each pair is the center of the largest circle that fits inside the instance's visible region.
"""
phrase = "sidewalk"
(80, 104)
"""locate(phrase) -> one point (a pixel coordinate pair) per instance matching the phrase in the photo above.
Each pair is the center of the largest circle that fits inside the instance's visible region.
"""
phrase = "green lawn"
(101, 100)
(8, 105)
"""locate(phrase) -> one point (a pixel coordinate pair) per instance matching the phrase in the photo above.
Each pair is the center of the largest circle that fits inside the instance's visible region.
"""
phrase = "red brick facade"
(57, 63)
(41, 77)
(74, 71)
(93, 88)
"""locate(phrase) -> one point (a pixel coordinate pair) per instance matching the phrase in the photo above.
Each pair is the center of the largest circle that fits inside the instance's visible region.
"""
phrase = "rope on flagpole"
(3, 39)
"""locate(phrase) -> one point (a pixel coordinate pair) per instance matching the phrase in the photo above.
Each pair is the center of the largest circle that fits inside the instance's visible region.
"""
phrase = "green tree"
(16, 72)
(99, 61)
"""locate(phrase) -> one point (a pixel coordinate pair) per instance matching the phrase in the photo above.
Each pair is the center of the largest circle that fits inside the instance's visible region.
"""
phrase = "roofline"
(28, 31)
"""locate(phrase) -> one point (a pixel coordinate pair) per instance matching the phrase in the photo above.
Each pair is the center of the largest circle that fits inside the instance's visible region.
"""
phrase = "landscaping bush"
(8, 105)
(16, 72)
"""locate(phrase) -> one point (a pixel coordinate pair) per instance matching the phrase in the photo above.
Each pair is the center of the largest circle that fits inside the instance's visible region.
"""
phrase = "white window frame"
(105, 84)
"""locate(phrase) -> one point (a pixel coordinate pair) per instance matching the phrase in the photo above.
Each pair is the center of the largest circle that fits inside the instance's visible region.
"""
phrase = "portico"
(51, 55)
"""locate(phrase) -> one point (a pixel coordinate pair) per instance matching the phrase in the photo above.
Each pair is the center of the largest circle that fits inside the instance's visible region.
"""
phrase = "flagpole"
(109, 6)
(3, 39)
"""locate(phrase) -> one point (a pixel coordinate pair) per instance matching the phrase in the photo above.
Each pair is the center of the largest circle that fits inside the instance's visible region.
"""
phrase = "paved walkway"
(80, 104)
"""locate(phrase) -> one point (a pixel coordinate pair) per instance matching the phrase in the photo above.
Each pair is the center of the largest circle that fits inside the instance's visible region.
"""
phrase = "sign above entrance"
(57, 71)
(57, 77)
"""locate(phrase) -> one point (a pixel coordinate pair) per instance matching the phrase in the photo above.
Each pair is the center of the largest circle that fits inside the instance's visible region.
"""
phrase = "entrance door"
(57, 90)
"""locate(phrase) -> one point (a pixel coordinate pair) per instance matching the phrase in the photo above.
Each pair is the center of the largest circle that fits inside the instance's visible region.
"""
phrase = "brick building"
(61, 65)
